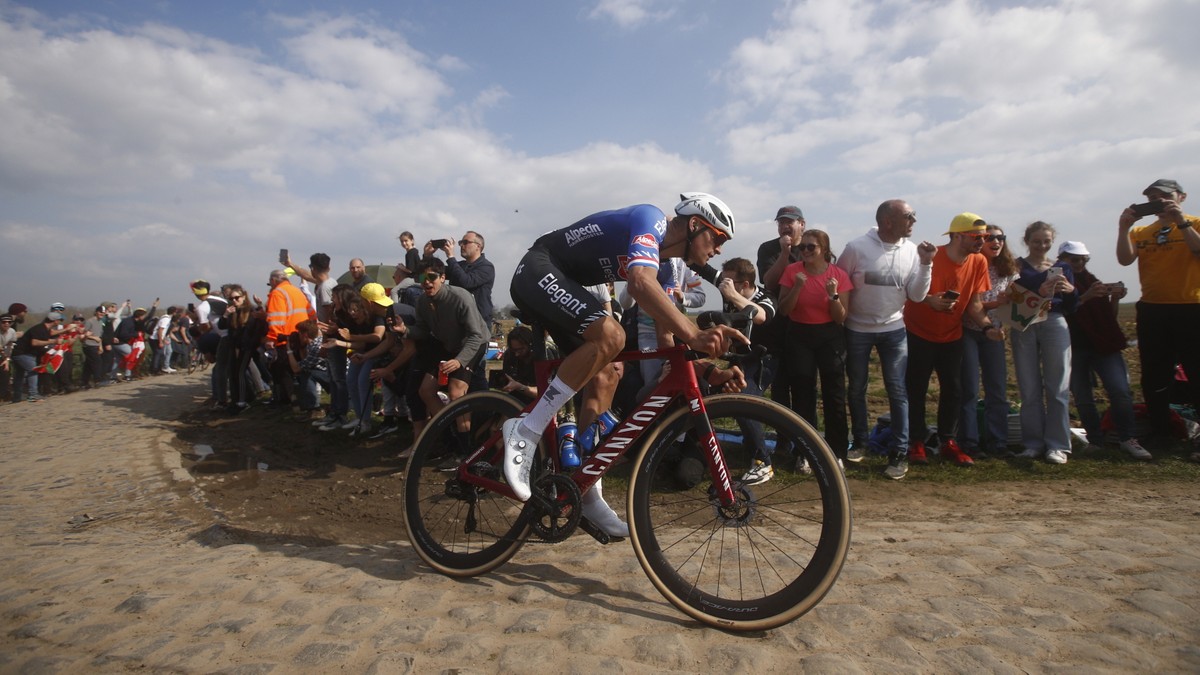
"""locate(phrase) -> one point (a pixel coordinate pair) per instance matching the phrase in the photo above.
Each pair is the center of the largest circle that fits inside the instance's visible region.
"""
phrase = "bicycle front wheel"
(756, 564)
(457, 528)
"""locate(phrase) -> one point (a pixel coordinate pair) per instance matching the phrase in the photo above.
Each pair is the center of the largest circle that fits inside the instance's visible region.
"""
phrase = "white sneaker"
(1136, 450)
(170, 370)
(351, 423)
(759, 473)
(803, 467)
(519, 450)
(601, 514)
(1056, 456)
(335, 423)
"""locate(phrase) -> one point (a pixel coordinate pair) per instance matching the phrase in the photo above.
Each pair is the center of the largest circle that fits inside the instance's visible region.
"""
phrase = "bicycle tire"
(437, 506)
(756, 568)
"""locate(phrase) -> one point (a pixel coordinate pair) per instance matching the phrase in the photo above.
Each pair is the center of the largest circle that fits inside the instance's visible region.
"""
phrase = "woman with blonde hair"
(1042, 352)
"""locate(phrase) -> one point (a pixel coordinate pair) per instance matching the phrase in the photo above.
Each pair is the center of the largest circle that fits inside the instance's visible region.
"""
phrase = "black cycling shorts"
(547, 296)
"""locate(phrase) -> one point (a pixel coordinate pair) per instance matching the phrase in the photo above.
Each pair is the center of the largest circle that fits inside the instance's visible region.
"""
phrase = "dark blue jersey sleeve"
(604, 246)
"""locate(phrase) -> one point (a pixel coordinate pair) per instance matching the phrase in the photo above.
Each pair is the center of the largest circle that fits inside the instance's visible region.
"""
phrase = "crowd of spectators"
(924, 310)
(66, 351)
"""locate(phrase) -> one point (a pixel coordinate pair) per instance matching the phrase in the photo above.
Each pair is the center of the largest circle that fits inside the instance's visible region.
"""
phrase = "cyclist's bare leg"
(603, 340)
(599, 394)
(598, 398)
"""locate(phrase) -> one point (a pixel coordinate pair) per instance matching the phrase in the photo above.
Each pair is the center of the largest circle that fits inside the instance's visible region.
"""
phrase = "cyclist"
(548, 287)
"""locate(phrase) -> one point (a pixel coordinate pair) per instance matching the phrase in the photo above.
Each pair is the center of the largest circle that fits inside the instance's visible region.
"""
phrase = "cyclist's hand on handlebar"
(716, 340)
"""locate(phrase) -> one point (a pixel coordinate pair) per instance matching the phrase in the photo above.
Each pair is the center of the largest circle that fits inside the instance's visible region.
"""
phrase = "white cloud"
(897, 83)
(630, 14)
(155, 155)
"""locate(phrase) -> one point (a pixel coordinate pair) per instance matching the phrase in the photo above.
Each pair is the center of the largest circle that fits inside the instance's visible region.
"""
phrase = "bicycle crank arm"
(597, 533)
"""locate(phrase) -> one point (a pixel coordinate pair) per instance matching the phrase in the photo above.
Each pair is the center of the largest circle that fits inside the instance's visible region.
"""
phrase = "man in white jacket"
(887, 269)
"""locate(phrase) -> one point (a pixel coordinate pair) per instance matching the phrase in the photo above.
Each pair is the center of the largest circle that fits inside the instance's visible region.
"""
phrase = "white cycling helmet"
(712, 210)
(58, 307)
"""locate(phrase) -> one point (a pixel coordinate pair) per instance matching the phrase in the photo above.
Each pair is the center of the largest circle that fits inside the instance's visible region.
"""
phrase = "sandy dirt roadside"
(115, 560)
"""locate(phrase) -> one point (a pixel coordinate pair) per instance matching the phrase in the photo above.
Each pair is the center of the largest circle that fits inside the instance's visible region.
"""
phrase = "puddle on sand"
(238, 465)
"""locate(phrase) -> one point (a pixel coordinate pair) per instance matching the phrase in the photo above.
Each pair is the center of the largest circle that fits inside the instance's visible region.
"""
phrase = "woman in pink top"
(812, 296)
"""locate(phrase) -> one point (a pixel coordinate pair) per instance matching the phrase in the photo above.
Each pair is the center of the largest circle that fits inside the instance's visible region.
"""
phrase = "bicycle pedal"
(597, 533)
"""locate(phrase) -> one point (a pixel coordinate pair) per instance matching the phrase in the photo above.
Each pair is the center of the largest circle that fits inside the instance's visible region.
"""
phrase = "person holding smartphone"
(1167, 252)
(935, 339)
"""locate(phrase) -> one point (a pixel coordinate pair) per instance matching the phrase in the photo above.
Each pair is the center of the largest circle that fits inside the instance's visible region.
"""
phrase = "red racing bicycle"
(730, 555)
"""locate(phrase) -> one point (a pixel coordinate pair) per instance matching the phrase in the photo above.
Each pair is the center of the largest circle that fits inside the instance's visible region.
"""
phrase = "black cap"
(790, 212)
(1164, 185)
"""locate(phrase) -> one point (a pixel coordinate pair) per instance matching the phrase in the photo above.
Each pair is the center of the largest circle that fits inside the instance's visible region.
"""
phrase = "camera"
(1147, 209)
(950, 295)
(440, 243)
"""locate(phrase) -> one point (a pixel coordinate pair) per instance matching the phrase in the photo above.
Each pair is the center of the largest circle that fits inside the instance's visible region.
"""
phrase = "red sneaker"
(952, 452)
(916, 453)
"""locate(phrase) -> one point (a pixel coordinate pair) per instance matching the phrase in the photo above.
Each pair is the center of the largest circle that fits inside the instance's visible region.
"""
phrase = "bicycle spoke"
(454, 526)
(759, 561)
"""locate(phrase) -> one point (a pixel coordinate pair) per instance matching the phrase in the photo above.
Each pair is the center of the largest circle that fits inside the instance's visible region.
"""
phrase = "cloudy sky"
(146, 144)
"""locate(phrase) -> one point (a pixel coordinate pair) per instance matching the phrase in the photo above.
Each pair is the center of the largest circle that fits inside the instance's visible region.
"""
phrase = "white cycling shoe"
(519, 450)
(601, 514)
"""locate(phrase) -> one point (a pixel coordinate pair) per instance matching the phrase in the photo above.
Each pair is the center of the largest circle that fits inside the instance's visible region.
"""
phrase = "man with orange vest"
(287, 306)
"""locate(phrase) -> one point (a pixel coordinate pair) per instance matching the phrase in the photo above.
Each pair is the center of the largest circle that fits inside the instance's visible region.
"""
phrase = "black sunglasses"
(808, 247)
(430, 276)
(995, 237)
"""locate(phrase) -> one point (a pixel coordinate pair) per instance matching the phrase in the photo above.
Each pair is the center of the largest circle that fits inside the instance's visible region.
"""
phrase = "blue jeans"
(358, 381)
(893, 357)
(339, 395)
(1115, 378)
(1042, 356)
(981, 355)
(24, 376)
(119, 353)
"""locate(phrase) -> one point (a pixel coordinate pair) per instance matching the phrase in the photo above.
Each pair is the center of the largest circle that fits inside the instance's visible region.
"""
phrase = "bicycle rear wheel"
(459, 529)
(762, 562)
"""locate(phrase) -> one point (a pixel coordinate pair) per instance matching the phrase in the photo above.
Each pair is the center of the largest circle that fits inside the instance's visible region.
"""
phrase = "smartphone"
(440, 243)
(950, 295)
(283, 256)
(1054, 272)
(1148, 209)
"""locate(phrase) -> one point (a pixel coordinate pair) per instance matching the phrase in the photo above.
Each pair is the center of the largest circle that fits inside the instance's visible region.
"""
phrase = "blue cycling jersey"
(601, 247)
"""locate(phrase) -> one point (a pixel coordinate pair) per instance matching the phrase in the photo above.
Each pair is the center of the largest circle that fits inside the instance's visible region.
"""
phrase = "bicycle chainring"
(560, 510)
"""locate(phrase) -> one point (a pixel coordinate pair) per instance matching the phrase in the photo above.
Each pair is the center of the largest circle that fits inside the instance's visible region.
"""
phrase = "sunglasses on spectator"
(995, 237)
(464, 242)
(808, 247)
(1079, 258)
(236, 297)
(430, 277)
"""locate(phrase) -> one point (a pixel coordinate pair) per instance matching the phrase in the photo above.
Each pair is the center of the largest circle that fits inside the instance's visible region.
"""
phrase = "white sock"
(556, 396)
